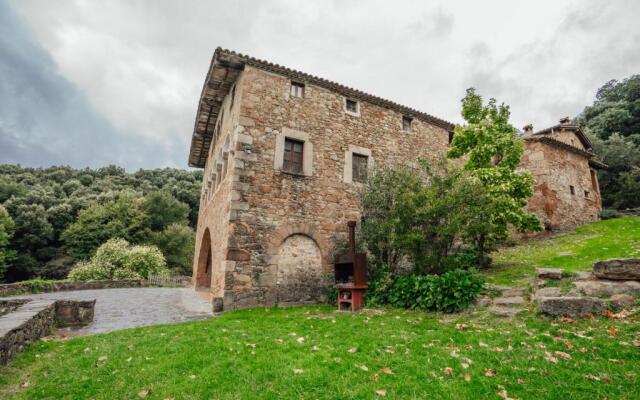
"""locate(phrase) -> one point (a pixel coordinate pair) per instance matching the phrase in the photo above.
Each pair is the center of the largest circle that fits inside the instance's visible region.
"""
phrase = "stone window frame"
(358, 106)
(307, 151)
(347, 175)
(301, 85)
(572, 189)
(407, 120)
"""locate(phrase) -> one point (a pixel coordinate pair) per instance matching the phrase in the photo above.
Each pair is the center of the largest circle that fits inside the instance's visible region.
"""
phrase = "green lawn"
(316, 353)
(574, 251)
(304, 353)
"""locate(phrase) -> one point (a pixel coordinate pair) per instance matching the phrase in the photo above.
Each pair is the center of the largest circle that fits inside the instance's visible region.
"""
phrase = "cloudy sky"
(91, 83)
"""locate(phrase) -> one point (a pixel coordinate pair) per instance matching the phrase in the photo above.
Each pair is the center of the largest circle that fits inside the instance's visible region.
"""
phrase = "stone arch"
(204, 270)
(300, 276)
(278, 236)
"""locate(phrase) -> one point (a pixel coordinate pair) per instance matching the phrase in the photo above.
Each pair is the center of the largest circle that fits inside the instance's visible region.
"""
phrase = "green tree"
(161, 209)
(7, 227)
(177, 242)
(492, 151)
(98, 223)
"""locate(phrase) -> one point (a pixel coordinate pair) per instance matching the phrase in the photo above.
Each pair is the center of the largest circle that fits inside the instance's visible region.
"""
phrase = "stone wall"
(12, 289)
(30, 320)
(266, 205)
(555, 171)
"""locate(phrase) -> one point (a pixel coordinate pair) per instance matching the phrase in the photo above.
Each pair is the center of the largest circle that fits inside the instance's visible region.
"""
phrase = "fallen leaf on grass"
(143, 393)
(521, 381)
(381, 392)
(550, 358)
(467, 377)
(462, 327)
(481, 344)
(583, 350)
(464, 365)
(362, 367)
(315, 348)
(386, 370)
(101, 361)
(279, 341)
(616, 361)
(24, 385)
(490, 372)
(300, 340)
(592, 377)
(252, 345)
(612, 330)
(298, 371)
(353, 350)
(448, 371)
(499, 349)
(503, 395)
(129, 359)
(563, 355)
(374, 378)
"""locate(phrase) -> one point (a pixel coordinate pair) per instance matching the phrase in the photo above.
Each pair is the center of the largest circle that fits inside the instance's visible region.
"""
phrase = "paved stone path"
(128, 308)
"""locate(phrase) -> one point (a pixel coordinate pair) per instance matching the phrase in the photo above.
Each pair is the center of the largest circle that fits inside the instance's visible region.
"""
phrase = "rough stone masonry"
(284, 155)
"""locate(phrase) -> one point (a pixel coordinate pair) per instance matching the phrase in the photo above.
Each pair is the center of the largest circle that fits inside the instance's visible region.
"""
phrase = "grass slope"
(259, 354)
(574, 251)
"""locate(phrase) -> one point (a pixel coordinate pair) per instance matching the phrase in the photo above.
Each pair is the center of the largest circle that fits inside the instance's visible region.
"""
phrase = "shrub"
(609, 213)
(117, 259)
(452, 291)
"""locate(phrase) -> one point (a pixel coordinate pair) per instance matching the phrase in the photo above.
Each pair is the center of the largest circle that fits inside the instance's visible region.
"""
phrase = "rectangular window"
(586, 193)
(406, 123)
(572, 189)
(450, 137)
(359, 168)
(594, 180)
(351, 106)
(297, 89)
(292, 161)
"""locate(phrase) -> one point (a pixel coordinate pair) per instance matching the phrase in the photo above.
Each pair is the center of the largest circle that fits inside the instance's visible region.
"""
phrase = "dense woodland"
(53, 217)
(613, 124)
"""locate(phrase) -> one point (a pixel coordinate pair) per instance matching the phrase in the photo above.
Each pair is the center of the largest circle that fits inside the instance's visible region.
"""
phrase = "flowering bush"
(117, 259)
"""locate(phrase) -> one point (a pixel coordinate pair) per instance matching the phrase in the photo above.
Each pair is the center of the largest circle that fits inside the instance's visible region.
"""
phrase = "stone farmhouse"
(284, 155)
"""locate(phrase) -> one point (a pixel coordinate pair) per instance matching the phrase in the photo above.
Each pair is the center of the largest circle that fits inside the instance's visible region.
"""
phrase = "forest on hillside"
(50, 218)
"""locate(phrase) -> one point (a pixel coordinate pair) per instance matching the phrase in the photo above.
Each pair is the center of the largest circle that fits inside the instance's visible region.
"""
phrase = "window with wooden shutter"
(359, 165)
(297, 89)
(292, 161)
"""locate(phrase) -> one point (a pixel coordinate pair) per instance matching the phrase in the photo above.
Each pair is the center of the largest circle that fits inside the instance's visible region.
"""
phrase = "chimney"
(352, 238)
(528, 129)
(565, 120)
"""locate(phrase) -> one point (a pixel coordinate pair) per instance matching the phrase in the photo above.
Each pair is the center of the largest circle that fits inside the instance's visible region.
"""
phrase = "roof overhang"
(569, 127)
(223, 72)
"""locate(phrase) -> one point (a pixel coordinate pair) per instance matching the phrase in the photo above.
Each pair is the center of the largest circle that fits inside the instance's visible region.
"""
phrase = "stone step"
(514, 301)
(504, 311)
(547, 292)
(549, 273)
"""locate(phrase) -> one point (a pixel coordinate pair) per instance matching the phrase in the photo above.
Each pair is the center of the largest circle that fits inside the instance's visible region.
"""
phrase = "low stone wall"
(28, 321)
(12, 289)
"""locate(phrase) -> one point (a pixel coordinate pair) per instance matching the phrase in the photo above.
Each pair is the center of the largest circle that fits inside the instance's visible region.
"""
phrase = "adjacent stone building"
(560, 159)
(284, 156)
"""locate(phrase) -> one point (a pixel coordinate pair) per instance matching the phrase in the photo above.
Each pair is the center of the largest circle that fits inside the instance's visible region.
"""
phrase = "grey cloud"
(46, 120)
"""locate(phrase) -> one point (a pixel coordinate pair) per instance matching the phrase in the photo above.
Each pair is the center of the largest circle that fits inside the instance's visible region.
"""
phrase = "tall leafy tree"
(613, 123)
(492, 151)
(7, 227)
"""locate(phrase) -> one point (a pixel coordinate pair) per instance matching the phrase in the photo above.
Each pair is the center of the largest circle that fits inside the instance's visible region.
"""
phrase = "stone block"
(604, 288)
(618, 269)
(571, 306)
(549, 273)
(547, 292)
(623, 301)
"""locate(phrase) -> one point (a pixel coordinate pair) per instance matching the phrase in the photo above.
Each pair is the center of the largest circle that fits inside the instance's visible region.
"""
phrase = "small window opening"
(359, 168)
(450, 137)
(233, 95)
(586, 193)
(297, 89)
(406, 123)
(572, 189)
(292, 160)
(351, 106)
(594, 180)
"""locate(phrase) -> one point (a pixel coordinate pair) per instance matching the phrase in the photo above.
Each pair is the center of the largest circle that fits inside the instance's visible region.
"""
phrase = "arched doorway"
(300, 275)
(205, 262)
